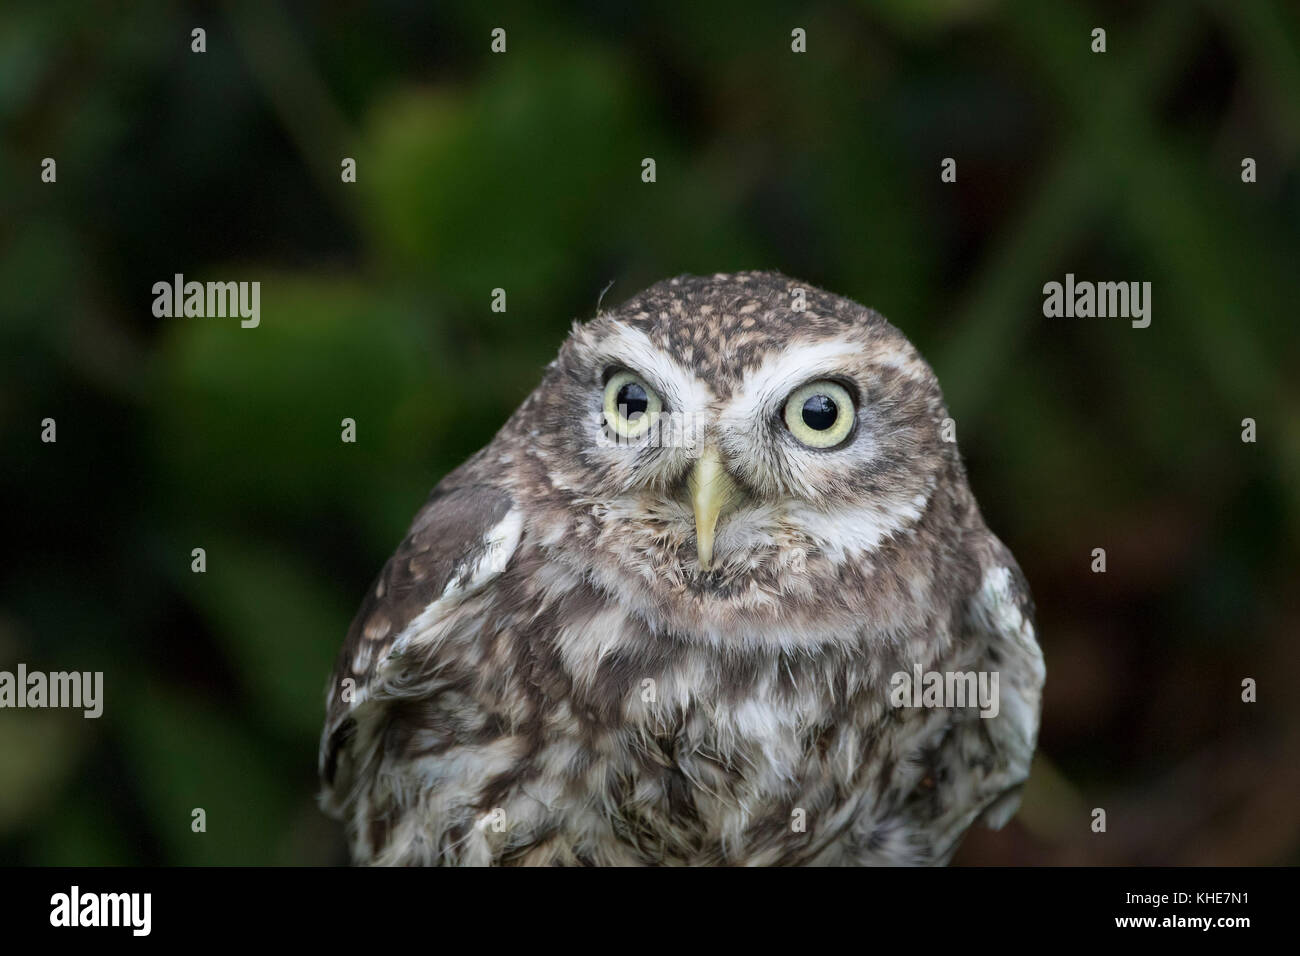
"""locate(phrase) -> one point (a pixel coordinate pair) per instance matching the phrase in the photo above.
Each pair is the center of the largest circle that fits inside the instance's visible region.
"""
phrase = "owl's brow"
(776, 377)
(634, 350)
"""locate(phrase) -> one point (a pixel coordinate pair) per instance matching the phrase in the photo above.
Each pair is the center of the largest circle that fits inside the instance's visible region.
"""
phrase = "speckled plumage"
(545, 674)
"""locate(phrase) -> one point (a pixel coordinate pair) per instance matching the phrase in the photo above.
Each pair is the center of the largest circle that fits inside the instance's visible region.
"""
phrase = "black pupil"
(819, 413)
(632, 401)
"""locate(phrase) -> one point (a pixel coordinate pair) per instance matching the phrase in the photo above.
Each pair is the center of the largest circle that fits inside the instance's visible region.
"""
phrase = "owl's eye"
(631, 406)
(820, 414)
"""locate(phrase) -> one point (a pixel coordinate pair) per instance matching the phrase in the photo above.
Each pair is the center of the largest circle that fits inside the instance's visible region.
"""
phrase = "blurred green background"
(522, 171)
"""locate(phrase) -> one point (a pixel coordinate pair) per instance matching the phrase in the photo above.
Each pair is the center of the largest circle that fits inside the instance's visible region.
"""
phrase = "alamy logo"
(75, 689)
(209, 300)
(947, 689)
(1127, 300)
(103, 909)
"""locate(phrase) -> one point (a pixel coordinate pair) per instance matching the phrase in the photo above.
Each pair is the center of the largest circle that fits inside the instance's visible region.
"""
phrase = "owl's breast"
(568, 729)
(644, 747)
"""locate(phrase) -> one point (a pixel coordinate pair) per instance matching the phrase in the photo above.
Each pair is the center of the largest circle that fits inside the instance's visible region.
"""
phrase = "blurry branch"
(994, 319)
(1232, 803)
(1051, 806)
(1057, 216)
(283, 68)
(1165, 203)
(1265, 39)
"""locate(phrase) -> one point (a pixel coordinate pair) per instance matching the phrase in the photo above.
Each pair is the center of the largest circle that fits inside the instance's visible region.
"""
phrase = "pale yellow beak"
(713, 492)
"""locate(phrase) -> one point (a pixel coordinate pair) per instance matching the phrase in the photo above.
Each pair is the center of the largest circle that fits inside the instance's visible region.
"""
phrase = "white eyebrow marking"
(765, 386)
(677, 385)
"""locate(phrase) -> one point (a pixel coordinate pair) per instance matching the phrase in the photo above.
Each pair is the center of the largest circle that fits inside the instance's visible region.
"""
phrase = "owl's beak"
(712, 492)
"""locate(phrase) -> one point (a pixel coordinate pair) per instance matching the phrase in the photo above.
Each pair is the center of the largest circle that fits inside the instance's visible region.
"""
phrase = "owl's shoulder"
(459, 542)
(1000, 614)
(1002, 609)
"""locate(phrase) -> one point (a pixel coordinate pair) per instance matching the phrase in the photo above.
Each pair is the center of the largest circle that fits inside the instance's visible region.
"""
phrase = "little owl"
(663, 616)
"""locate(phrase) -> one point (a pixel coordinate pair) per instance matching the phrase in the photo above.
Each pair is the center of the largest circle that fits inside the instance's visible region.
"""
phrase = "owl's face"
(731, 461)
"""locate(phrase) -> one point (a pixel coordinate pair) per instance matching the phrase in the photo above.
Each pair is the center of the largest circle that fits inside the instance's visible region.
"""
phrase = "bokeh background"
(522, 171)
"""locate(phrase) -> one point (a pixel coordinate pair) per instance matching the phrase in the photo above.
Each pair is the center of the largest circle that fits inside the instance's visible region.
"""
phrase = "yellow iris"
(820, 414)
(631, 406)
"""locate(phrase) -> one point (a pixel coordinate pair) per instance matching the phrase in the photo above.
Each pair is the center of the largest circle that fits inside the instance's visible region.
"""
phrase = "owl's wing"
(460, 541)
(1002, 609)
(980, 764)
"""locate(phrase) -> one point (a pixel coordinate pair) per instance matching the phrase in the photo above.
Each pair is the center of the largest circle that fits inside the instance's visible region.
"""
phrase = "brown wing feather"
(448, 534)
(1003, 610)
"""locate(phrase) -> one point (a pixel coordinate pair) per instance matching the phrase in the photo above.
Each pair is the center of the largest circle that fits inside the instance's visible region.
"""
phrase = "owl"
(718, 593)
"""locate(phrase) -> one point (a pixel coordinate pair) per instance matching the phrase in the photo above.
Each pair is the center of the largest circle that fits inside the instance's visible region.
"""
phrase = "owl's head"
(738, 450)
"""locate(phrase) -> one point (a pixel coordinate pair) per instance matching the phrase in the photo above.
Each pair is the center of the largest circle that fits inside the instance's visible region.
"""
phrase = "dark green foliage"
(522, 171)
